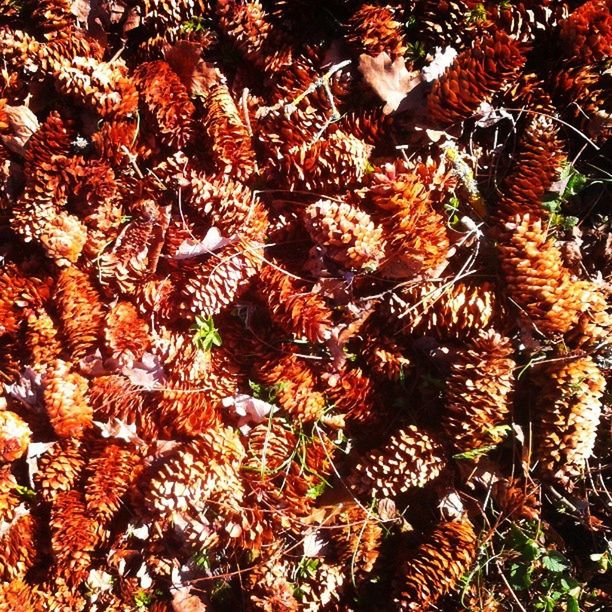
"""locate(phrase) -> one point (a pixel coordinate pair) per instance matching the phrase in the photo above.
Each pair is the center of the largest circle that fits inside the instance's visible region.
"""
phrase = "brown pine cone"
(478, 392)
(411, 458)
(567, 413)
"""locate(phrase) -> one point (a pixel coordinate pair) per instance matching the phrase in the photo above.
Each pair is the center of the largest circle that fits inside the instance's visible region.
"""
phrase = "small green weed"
(205, 333)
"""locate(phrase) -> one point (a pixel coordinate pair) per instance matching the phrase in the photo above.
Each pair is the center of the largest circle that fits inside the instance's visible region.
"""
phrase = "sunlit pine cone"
(373, 29)
(583, 95)
(221, 280)
(323, 589)
(370, 125)
(126, 333)
(535, 167)
(99, 86)
(383, 355)
(567, 413)
(357, 536)
(527, 20)
(162, 14)
(315, 166)
(436, 566)
(283, 469)
(415, 231)
(19, 292)
(60, 595)
(202, 475)
(80, 310)
(537, 279)
(14, 436)
(19, 545)
(184, 408)
(294, 385)
(478, 392)
(448, 23)
(53, 17)
(59, 233)
(9, 498)
(167, 103)
(586, 34)
(42, 340)
(292, 306)
(74, 536)
(353, 394)
(17, 594)
(410, 458)
(136, 250)
(215, 372)
(65, 395)
(348, 234)
(59, 468)
(475, 75)
(231, 206)
(230, 141)
(115, 139)
(594, 328)
(115, 397)
(269, 587)
(110, 472)
(246, 25)
(458, 311)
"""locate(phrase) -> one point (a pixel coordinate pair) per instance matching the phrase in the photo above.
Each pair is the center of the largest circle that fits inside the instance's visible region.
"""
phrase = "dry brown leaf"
(196, 74)
(23, 123)
(390, 80)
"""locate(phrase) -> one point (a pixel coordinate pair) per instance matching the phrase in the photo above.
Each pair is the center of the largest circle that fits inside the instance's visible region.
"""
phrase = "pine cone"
(353, 394)
(357, 536)
(459, 311)
(73, 536)
(436, 566)
(42, 340)
(80, 310)
(14, 436)
(59, 468)
(315, 166)
(478, 392)
(348, 234)
(99, 86)
(415, 232)
(586, 34)
(536, 166)
(475, 75)
(126, 334)
(536, 278)
(167, 103)
(230, 140)
(296, 310)
(65, 400)
(115, 397)
(111, 471)
(294, 386)
(374, 29)
(409, 459)
(221, 280)
(19, 546)
(567, 412)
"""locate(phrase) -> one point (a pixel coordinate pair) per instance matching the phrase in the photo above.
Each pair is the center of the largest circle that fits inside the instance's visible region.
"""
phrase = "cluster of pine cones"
(276, 279)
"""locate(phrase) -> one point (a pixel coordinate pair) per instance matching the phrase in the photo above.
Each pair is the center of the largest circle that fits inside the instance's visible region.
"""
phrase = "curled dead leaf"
(389, 79)
(22, 124)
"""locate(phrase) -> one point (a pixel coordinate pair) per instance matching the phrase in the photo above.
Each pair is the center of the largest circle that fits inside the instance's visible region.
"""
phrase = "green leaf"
(206, 334)
(554, 561)
(520, 576)
(316, 491)
(572, 605)
(476, 452)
